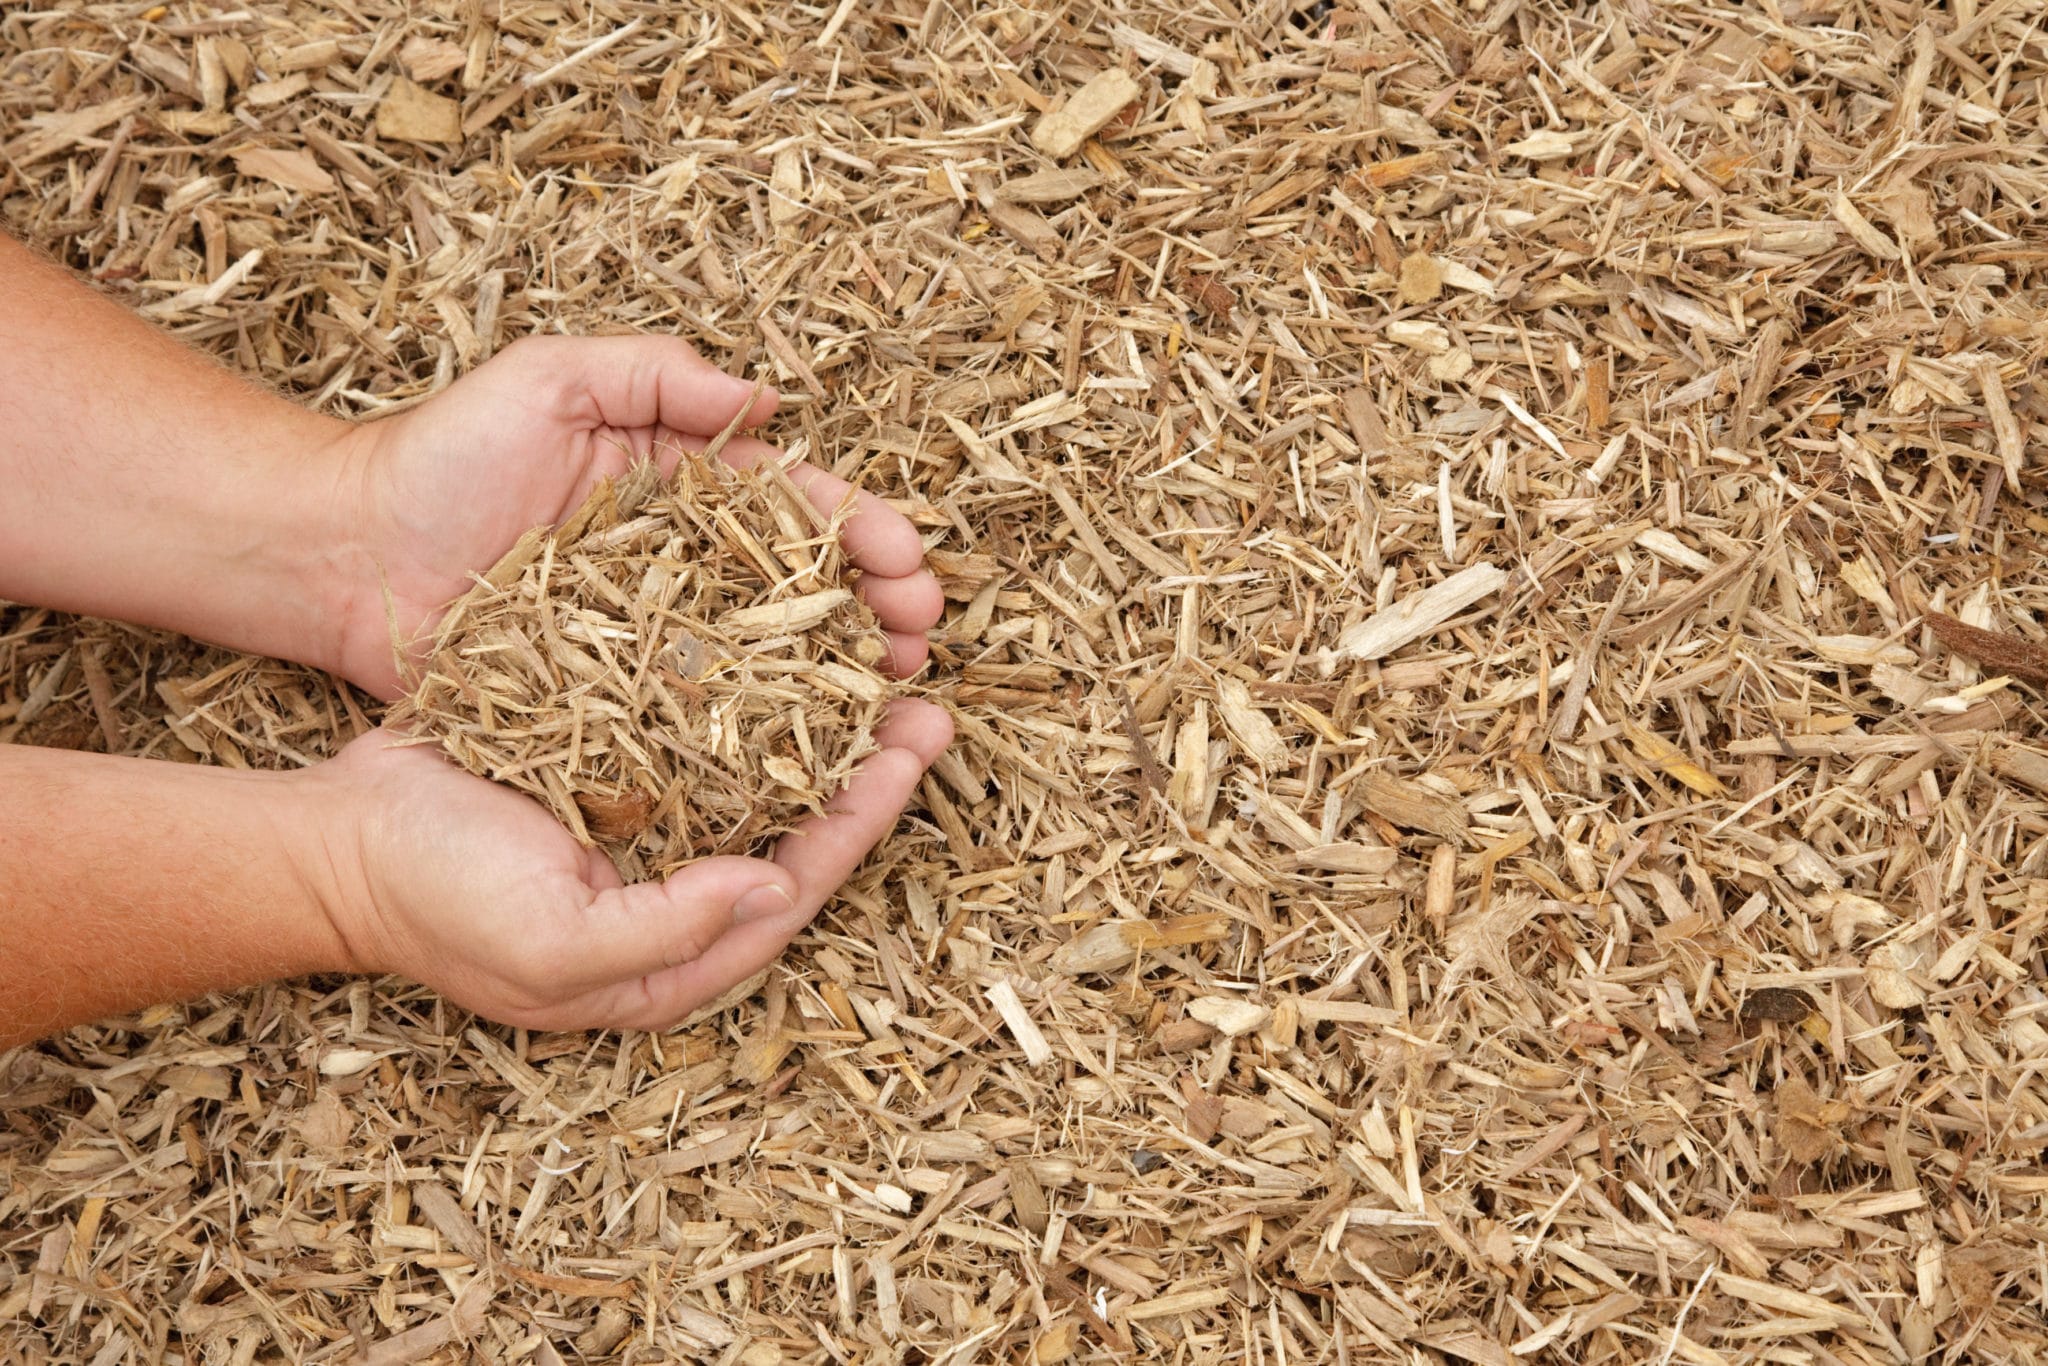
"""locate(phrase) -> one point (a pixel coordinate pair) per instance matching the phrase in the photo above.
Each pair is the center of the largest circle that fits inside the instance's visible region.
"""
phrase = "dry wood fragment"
(1867, 234)
(2005, 427)
(1210, 295)
(1415, 616)
(1060, 133)
(1154, 772)
(1669, 758)
(1542, 145)
(1055, 185)
(1023, 1028)
(1117, 943)
(1421, 279)
(410, 111)
(1889, 978)
(1393, 171)
(292, 169)
(2023, 765)
(1419, 334)
(1230, 1016)
(1862, 650)
(1351, 856)
(1249, 726)
(1413, 806)
(674, 671)
(1803, 1307)
(1998, 650)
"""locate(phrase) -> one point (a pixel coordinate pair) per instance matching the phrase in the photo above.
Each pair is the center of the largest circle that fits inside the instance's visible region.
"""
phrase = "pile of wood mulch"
(1496, 616)
(679, 669)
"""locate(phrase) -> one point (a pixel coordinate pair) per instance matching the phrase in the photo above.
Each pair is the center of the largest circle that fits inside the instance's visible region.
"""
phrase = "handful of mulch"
(677, 670)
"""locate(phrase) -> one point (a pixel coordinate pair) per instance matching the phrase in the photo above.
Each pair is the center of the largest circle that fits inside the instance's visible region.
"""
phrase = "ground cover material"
(680, 669)
(1495, 559)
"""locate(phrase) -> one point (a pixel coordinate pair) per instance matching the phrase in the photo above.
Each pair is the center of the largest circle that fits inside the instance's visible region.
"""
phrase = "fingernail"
(762, 902)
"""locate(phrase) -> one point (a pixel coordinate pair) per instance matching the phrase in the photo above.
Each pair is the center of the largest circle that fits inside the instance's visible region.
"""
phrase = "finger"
(819, 854)
(822, 851)
(912, 603)
(638, 382)
(830, 849)
(908, 651)
(654, 926)
(877, 537)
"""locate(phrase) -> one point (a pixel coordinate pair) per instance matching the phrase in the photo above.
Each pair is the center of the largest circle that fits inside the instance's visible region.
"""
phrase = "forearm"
(125, 882)
(141, 481)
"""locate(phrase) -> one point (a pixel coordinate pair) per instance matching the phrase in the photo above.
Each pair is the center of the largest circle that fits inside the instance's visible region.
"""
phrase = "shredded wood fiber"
(1473, 837)
(680, 669)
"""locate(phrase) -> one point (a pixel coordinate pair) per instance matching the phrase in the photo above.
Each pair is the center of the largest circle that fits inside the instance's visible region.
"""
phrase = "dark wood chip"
(1783, 1004)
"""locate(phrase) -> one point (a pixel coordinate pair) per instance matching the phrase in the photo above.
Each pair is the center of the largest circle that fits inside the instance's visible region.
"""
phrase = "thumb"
(632, 932)
(636, 382)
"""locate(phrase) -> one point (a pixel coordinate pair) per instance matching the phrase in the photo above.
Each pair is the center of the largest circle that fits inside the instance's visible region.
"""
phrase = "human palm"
(478, 892)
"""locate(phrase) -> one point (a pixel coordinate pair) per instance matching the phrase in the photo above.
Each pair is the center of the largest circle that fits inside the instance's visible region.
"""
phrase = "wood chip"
(1514, 683)
(410, 111)
(1997, 650)
(1420, 613)
(1060, 133)
(295, 170)
(1229, 1015)
(1022, 1027)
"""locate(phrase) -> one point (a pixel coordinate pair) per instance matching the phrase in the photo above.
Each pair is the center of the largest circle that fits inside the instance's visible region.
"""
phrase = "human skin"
(140, 481)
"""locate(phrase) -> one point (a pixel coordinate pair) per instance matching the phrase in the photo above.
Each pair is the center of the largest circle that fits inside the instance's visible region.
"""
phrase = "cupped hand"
(477, 891)
(445, 489)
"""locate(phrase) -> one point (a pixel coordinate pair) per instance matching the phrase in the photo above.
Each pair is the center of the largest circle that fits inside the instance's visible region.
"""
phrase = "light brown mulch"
(1474, 835)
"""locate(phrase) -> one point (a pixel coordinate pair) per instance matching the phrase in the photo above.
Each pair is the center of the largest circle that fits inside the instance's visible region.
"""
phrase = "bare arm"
(139, 480)
(125, 882)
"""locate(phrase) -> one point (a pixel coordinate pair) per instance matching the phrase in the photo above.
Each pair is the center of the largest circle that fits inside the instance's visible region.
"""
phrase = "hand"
(442, 491)
(478, 892)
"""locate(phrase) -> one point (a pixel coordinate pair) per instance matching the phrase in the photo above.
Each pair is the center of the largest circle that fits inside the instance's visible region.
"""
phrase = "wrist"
(255, 556)
(305, 569)
(338, 567)
(353, 558)
(130, 881)
(317, 826)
